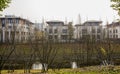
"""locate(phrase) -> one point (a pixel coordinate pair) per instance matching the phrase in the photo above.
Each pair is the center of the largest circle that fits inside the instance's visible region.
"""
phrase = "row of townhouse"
(22, 30)
(89, 29)
(94, 30)
(15, 28)
(57, 30)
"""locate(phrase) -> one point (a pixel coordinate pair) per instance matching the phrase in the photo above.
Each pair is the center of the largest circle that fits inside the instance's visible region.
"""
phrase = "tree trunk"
(44, 68)
(0, 71)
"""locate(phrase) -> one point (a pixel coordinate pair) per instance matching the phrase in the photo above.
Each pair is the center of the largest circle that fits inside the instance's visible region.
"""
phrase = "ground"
(83, 70)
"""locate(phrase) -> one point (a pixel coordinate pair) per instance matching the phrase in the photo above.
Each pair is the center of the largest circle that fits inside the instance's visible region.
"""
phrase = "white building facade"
(89, 29)
(113, 30)
(15, 27)
(57, 30)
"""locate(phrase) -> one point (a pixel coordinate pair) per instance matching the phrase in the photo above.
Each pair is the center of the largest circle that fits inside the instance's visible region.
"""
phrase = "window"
(110, 36)
(3, 25)
(93, 36)
(109, 31)
(3, 21)
(98, 36)
(98, 30)
(55, 30)
(11, 21)
(56, 37)
(116, 36)
(9, 27)
(84, 36)
(64, 37)
(64, 31)
(17, 21)
(114, 31)
(84, 31)
(113, 36)
(45, 29)
(50, 30)
(93, 30)
(50, 37)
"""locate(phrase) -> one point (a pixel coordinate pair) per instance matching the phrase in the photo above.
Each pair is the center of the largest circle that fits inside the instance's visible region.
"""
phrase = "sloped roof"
(113, 24)
(89, 23)
(55, 22)
(15, 17)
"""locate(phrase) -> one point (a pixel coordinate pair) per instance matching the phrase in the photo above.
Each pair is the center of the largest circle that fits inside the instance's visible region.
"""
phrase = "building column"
(3, 34)
(14, 35)
(0, 37)
(19, 36)
(53, 34)
(96, 34)
(59, 37)
(25, 36)
(9, 34)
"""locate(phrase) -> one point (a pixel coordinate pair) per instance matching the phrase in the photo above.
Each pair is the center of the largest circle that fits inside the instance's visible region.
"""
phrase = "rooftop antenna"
(43, 23)
(86, 18)
(72, 20)
(43, 20)
(79, 19)
(65, 20)
(100, 19)
(21, 15)
(114, 18)
(35, 21)
(107, 23)
(27, 18)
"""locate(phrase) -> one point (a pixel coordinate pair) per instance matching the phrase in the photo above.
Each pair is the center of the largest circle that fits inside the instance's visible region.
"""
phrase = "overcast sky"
(35, 10)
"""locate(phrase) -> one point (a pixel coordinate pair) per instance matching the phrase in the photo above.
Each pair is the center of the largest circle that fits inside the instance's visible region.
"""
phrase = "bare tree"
(9, 46)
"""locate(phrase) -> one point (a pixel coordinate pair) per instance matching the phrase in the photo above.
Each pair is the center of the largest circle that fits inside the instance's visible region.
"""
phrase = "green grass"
(83, 70)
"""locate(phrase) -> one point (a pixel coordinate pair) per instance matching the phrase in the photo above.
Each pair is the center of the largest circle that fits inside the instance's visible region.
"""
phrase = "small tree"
(4, 4)
(116, 5)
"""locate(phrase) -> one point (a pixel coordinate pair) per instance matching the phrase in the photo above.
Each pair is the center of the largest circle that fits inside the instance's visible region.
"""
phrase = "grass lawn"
(83, 70)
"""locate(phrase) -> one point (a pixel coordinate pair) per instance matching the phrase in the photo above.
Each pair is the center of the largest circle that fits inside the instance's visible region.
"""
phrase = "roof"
(79, 25)
(113, 24)
(89, 23)
(55, 22)
(15, 17)
(92, 21)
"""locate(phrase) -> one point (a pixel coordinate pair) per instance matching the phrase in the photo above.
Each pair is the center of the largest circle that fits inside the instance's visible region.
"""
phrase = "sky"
(36, 10)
